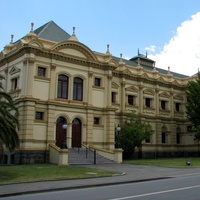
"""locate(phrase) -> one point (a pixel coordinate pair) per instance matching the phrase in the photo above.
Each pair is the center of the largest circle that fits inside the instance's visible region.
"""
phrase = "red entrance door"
(76, 132)
(60, 131)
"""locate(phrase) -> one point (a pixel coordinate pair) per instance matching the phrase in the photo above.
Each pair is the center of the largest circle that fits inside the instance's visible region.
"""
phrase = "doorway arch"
(76, 132)
(59, 131)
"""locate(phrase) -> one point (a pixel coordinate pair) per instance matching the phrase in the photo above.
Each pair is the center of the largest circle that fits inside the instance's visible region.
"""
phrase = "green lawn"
(37, 172)
(168, 162)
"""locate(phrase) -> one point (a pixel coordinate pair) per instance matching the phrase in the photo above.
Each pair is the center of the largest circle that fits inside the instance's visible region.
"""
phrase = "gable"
(131, 89)
(14, 70)
(74, 48)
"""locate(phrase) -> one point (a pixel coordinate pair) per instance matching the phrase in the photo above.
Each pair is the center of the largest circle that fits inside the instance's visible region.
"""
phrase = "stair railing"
(90, 149)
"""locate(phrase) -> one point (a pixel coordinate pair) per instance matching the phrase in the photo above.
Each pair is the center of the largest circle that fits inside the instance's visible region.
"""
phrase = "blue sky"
(167, 29)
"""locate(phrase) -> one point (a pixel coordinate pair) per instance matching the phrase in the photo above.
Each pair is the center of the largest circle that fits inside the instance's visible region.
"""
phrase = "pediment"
(115, 85)
(112, 62)
(127, 71)
(36, 43)
(131, 89)
(178, 97)
(175, 82)
(149, 91)
(161, 79)
(164, 94)
(74, 48)
(145, 76)
(14, 70)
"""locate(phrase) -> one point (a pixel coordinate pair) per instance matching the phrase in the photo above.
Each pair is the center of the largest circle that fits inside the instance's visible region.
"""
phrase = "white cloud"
(151, 48)
(182, 53)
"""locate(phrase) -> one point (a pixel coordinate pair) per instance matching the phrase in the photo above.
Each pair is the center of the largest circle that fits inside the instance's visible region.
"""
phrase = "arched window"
(62, 87)
(78, 89)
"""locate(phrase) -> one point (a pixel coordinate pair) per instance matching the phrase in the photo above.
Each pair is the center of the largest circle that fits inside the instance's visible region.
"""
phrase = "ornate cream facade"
(56, 79)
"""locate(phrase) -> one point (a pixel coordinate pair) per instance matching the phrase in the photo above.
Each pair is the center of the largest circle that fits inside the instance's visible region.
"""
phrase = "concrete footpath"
(130, 173)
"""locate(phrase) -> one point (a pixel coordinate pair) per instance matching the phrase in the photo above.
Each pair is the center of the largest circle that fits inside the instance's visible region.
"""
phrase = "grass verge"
(44, 172)
(166, 162)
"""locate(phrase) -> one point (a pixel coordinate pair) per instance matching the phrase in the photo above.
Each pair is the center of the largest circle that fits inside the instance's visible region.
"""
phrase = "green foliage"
(193, 105)
(8, 121)
(133, 132)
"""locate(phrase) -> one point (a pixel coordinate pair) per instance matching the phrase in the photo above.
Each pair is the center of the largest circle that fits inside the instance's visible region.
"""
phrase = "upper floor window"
(62, 86)
(148, 102)
(41, 71)
(78, 89)
(177, 107)
(114, 96)
(130, 99)
(163, 104)
(97, 82)
(14, 82)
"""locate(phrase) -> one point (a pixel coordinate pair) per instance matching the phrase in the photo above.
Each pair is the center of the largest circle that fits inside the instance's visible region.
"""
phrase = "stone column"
(29, 76)
(171, 104)
(157, 101)
(123, 96)
(51, 125)
(141, 99)
(52, 85)
(90, 83)
(109, 90)
(69, 135)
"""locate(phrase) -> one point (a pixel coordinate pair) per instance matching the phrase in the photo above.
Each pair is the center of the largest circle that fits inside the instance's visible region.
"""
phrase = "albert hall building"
(55, 79)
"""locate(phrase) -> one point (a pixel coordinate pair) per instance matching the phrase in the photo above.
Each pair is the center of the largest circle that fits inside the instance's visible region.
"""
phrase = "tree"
(8, 121)
(133, 132)
(193, 105)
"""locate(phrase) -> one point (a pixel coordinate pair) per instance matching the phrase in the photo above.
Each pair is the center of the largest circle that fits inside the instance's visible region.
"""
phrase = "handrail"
(93, 150)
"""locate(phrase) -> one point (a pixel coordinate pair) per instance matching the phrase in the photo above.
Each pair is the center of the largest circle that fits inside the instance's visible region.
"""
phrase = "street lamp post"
(118, 129)
(64, 145)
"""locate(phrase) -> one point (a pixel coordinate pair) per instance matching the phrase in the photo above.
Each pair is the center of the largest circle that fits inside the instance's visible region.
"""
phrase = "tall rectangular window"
(163, 137)
(78, 89)
(163, 104)
(178, 141)
(62, 91)
(14, 82)
(148, 102)
(114, 94)
(130, 99)
(177, 105)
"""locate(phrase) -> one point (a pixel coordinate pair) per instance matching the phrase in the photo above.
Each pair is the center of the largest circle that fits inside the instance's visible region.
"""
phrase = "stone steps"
(77, 156)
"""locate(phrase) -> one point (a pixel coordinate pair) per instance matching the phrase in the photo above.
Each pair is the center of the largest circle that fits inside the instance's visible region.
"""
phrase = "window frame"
(62, 85)
(97, 82)
(78, 89)
(40, 114)
(44, 70)
(97, 120)
(148, 102)
(130, 101)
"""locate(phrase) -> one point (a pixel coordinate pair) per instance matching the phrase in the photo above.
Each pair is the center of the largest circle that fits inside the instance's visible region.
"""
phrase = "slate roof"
(149, 68)
(51, 31)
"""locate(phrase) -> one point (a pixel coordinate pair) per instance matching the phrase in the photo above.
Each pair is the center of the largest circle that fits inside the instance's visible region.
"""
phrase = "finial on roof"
(120, 55)
(146, 54)
(168, 69)
(138, 52)
(108, 51)
(74, 28)
(32, 25)
(12, 36)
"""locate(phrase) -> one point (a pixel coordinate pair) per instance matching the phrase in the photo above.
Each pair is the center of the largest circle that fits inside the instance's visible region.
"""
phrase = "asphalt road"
(185, 188)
